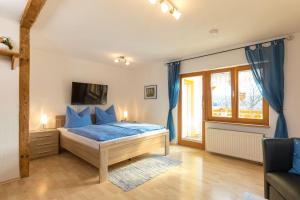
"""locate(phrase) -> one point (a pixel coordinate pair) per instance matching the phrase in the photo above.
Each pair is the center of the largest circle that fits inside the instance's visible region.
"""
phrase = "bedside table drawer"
(39, 146)
(43, 136)
(37, 151)
(44, 139)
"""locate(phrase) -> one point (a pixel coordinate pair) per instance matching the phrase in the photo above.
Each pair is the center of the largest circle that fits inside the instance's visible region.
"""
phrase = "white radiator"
(234, 143)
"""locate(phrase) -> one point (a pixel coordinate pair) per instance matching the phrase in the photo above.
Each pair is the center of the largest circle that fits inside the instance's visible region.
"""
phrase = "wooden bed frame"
(112, 152)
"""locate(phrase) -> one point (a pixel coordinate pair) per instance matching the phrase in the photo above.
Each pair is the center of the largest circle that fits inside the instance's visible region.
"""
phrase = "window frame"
(209, 96)
(234, 99)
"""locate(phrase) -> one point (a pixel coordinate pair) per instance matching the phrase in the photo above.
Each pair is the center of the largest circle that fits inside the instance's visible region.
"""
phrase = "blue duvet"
(112, 131)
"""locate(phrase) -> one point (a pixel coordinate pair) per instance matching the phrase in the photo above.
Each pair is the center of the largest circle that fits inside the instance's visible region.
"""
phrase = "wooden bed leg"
(167, 145)
(103, 166)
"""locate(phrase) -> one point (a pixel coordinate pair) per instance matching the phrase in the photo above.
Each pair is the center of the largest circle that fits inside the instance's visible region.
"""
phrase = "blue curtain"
(267, 67)
(174, 87)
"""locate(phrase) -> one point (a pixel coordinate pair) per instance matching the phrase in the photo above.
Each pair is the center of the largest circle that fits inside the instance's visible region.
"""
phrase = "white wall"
(52, 74)
(156, 110)
(152, 110)
(292, 86)
(51, 78)
(9, 106)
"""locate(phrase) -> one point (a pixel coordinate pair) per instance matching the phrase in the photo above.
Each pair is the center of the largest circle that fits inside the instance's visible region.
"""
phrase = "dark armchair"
(278, 160)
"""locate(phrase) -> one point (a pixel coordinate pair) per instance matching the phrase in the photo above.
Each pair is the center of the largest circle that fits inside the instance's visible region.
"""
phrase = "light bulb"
(117, 60)
(176, 14)
(127, 63)
(164, 7)
(153, 1)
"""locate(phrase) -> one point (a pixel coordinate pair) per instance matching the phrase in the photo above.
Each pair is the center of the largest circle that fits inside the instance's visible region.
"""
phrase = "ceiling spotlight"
(122, 59)
(153, 1)
(176, 14)
(167, 6)
(214, 31)
(164, 7)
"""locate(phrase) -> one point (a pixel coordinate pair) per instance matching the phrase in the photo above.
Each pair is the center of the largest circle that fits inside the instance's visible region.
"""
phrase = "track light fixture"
(176, 14)
(122, 59)
(164, 7)
(153, 1)
(167, 6)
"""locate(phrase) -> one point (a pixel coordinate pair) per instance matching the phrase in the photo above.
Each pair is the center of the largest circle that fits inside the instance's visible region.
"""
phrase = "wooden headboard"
(60, 120)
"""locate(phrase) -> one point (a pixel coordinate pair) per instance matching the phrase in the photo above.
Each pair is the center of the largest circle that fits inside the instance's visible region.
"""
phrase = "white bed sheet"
(95, 144)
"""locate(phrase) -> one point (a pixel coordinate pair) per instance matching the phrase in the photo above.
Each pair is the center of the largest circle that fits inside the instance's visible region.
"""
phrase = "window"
(221, 94)
(233, 96)
(250, 100)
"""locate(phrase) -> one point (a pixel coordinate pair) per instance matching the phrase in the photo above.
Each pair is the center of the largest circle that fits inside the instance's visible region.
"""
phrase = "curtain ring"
(253, 47)
(267, 44)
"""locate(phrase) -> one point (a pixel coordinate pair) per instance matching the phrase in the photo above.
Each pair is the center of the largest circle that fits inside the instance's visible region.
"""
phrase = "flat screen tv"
(88, 94)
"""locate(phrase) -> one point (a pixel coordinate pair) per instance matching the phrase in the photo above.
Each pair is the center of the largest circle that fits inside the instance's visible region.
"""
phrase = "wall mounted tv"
(88, 94)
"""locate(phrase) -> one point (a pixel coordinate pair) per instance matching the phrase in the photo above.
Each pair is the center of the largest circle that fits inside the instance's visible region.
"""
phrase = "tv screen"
(88, 94)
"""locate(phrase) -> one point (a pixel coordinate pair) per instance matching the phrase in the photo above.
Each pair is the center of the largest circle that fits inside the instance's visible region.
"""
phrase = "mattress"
(95, 144)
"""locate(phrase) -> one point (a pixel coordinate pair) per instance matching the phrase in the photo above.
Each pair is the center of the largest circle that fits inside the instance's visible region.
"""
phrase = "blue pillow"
(104, 117)
(296, 158)
(74, 119)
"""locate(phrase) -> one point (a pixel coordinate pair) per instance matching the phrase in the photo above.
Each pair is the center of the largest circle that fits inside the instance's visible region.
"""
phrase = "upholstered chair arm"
(278, 155)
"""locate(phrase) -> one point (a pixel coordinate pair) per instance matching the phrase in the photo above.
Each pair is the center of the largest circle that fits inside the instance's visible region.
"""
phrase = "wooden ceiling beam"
(31, 12)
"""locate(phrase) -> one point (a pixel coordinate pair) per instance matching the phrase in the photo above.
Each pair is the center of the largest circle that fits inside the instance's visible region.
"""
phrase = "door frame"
(179, 113)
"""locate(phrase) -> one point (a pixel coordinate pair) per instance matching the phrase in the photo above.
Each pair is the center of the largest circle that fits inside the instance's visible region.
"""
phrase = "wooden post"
(103, 165)
(30, 14)
(24, 102)
(167, 144)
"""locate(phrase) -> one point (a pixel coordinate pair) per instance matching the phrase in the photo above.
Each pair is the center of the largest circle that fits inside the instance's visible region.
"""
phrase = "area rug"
(250, 196)
(136, 173)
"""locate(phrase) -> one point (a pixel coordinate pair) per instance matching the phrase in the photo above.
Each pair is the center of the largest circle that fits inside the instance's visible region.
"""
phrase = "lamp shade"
(125, 114)
(44, 119)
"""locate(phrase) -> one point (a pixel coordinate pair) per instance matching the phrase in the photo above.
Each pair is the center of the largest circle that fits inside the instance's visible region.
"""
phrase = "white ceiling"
(100, 30)
(12, 9)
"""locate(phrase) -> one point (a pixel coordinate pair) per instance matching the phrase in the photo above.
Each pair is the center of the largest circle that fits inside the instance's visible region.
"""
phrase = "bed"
(102, 154)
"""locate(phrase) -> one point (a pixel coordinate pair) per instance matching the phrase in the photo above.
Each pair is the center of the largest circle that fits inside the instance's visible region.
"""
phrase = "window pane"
(191, 109)
(221, 94)
(250, 99)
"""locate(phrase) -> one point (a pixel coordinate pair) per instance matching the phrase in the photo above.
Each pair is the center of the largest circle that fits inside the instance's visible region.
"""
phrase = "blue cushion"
(104, 117)
(74, 119)
(296, 158)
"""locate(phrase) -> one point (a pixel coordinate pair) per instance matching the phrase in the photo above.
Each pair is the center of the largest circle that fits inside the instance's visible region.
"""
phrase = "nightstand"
(43, 143)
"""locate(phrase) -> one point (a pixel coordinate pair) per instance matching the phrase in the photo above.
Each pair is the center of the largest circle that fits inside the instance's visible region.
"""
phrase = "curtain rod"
(289, 37)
